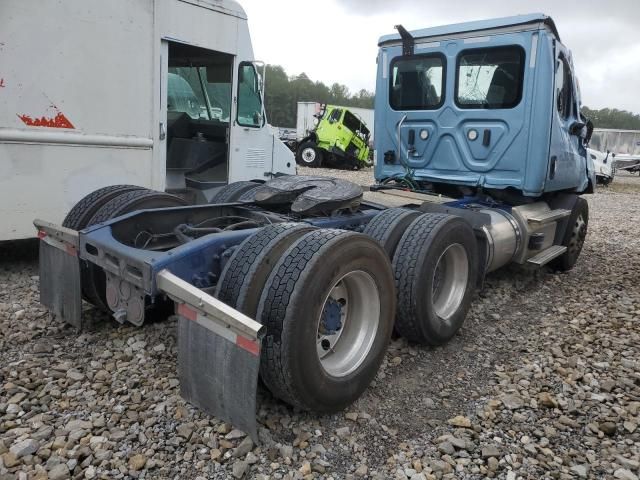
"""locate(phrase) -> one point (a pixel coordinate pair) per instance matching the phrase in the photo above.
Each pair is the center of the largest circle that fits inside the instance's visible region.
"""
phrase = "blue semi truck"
(299, 280)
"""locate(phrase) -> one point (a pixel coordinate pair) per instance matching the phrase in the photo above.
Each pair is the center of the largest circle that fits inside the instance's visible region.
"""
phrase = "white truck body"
(625, 144)
(84, 102)
(603, 165)
(306, 121)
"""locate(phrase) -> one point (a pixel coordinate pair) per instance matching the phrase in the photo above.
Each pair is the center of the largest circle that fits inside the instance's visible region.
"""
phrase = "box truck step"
(547, 255)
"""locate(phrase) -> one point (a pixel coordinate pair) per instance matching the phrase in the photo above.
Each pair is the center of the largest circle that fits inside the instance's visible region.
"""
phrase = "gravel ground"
(543, 381)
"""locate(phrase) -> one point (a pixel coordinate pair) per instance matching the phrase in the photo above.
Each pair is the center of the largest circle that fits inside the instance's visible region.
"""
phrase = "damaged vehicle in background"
(603, 164)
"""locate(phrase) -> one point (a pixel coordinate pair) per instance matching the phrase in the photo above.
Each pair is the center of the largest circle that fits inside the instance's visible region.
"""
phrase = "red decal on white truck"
(59, 121)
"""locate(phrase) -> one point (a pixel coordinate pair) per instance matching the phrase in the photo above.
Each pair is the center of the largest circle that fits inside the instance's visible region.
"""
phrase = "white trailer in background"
(162, 94)
(306, 120)
(623, 145)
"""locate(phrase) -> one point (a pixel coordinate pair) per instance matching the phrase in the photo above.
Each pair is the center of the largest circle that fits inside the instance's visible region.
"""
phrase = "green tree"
(612, 118)
(283, 92)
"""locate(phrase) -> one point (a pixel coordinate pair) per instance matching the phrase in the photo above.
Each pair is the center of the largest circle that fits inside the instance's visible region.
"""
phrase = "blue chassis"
(201, 261)
(198, 262)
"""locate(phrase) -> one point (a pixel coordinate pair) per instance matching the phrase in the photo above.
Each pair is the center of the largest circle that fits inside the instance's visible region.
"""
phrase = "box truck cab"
(159, 94)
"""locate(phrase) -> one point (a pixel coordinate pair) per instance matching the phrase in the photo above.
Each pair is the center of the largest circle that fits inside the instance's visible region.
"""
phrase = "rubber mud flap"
(218, 371)
(60, 288)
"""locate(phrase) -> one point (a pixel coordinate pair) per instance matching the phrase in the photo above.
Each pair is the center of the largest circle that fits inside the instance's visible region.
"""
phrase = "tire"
(245, 274)
(92, 276)
(296, 365)
(574, 236)
(387, 227)
(309, 155)
(81, 213)
(428, 312)
(232, 192)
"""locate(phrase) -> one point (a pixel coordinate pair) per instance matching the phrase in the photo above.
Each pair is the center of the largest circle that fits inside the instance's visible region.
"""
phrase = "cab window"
(417, 83)
(564, 88)
(490, 78)
(249, 97)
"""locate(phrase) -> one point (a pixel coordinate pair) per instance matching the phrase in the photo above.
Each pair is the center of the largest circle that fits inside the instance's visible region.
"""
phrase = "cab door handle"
(486, 137)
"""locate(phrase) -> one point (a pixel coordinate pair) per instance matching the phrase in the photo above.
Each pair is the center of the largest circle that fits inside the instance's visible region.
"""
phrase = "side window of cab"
(564, 88)
(249, 97)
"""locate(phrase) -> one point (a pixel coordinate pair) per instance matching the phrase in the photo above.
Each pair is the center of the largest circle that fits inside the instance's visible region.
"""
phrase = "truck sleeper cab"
(489, 106)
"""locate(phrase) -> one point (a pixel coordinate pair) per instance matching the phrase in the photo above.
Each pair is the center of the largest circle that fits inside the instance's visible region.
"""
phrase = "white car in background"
(603, 165)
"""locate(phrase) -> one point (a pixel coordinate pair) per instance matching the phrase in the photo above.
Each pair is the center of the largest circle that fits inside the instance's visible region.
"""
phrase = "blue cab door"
(567, 156)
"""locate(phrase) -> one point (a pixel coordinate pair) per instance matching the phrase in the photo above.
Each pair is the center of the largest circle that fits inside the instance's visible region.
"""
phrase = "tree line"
(283, 92)
(612, 118)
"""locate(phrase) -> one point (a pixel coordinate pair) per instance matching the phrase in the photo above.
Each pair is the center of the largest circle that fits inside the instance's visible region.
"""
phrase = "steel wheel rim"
(577, 236)
(342, 352)
(308, 155)
(450, 280)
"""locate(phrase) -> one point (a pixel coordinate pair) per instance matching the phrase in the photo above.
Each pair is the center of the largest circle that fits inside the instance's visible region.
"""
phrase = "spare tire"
(435, 265)
(328, 308)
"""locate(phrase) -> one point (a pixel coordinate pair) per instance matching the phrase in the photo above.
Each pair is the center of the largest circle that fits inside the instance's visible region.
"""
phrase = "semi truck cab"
(490, 105)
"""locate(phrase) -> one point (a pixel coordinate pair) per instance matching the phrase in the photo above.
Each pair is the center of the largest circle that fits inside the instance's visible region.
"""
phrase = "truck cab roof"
(513, 23)
(229, 7)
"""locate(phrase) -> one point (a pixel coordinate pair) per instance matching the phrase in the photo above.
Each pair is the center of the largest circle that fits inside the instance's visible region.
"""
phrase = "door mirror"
(587, 139)
(576, 128)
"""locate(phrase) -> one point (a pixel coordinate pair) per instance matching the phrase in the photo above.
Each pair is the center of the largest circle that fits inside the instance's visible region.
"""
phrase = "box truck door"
(198, 105)
(252, 139)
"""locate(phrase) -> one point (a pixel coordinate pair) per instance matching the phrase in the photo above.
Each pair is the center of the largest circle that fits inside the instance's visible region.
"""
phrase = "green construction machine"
(339, 140)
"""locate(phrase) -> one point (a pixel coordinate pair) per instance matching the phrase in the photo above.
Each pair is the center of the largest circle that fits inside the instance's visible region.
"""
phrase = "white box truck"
(162, 94)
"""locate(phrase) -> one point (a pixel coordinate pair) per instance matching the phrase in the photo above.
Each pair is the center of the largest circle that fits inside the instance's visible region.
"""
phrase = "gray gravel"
(543, 381)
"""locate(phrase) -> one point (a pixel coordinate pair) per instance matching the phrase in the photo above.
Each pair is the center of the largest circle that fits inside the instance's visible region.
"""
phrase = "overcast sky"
(336, 41)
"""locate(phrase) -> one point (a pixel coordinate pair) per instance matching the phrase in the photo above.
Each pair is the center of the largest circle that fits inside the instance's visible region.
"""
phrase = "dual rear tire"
(434, 259)
(327, 300)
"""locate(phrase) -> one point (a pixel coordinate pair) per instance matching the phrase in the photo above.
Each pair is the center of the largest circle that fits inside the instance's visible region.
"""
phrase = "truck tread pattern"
(82, 212)
(239, 272)
(233, 191)
(406, 267)
(387, 227)
(273, 309)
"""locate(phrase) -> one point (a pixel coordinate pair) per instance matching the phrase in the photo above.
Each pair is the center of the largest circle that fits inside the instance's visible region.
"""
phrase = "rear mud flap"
(218, 354)
(60, 288)
(217, 375)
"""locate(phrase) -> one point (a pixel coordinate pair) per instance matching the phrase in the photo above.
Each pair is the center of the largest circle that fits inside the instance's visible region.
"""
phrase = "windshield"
(354, 124)
(198, 92)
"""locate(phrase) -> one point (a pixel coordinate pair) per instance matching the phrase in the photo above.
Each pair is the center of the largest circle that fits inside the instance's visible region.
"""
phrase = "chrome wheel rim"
(348, 323)
(308, 155)
(450, 280)
(577, 236)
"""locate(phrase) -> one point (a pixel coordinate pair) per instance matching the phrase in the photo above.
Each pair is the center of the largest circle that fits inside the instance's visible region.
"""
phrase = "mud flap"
(218, 354)
(60, 288)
